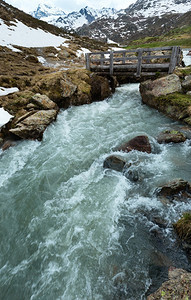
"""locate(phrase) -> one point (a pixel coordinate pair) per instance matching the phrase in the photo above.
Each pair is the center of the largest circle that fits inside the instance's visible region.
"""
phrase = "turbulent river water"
(72, 230)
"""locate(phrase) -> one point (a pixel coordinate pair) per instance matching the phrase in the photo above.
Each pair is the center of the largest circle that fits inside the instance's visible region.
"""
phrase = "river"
(72, 230)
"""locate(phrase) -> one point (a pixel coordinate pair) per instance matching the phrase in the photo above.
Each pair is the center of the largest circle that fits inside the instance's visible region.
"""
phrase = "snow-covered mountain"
(143, 18)
(72, 20)
(154, 8)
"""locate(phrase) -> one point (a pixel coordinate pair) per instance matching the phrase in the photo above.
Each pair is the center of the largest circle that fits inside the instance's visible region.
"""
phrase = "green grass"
(176, 37)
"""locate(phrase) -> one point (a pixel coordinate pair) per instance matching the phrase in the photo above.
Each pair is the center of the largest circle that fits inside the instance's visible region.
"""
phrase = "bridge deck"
(134, 63)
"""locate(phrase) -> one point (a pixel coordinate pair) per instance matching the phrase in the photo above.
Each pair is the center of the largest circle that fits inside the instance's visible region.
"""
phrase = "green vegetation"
(178, 36)
(183, 227)
(178, 99)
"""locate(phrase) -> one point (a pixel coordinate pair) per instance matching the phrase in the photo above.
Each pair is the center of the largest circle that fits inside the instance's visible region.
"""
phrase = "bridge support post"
(111, 64)
(87, 58)
(139, 63)
(173, 59)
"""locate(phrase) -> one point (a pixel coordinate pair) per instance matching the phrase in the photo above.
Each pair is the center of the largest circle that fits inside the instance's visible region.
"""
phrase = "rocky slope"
(45, 65)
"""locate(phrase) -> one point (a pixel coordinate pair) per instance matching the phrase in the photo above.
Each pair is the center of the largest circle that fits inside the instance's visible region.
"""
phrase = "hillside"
(179, 36)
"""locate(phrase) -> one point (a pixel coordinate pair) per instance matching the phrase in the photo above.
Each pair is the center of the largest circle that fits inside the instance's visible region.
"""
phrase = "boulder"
(186, 84)
(160, 87)
(176, 105)
(178, 189)
(177, 287)
(33, 126)
(171, 136)
(56, 87)
(43, 102)
(115, 163)
(183, 230)
(139, 143)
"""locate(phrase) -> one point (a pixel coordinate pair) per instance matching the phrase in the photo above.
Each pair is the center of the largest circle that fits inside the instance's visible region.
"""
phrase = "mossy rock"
(183, 229)
(182, 72)
(17, 101)
(171, 136)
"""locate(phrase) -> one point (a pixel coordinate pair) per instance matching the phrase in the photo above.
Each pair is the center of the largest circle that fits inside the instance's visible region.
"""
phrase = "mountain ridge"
(143, 18)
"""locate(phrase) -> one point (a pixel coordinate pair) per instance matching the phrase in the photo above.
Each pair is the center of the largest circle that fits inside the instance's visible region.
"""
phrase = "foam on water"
(73, 230)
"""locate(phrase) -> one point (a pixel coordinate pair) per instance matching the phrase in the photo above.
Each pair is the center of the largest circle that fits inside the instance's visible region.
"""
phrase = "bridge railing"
(135, 62)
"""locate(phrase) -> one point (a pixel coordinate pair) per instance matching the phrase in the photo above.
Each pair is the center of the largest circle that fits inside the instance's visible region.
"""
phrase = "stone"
(139, 143)
(171, 136)
(183, 230)
(178, 189)
(43, 102)
(160, 87)
(177, 287)
(100, 88)
(115, 163)
(167, 97)
(34, 125)
(188, 93)
(7, 144)
(56, 87)
(186, 84)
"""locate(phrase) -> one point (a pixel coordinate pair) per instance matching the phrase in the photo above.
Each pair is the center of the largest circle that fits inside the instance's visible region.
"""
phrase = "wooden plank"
(111, 63)
(87, 58)
(102, 59)
(156, 56)
(132, 66)
(173, 59)
(140, 52)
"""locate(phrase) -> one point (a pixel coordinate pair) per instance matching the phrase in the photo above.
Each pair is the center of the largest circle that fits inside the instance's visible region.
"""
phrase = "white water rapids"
(71, 230)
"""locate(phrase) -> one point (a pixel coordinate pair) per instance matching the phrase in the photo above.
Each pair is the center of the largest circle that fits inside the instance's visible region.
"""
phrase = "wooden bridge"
(134, 63)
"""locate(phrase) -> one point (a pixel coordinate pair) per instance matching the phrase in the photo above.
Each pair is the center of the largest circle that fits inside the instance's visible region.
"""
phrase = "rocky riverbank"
(43, 91)
(170, 95)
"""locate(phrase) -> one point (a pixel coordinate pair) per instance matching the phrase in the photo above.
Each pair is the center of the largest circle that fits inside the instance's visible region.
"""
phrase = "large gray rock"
(34, 125)
(159, 87)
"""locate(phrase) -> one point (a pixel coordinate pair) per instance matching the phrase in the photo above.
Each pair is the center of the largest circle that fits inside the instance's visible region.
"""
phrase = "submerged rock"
(115, 163)
(177, 287)
(139, 143)
(177, 189)
(33, 126)
(171, 136)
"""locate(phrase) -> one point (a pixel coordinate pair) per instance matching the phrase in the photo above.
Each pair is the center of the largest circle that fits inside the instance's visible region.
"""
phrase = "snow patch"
(83, 51)
(22, 35)
(7, 91)
(4, 117)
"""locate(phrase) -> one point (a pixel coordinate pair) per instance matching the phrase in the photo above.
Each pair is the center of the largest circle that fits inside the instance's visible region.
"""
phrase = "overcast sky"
(68, 5)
